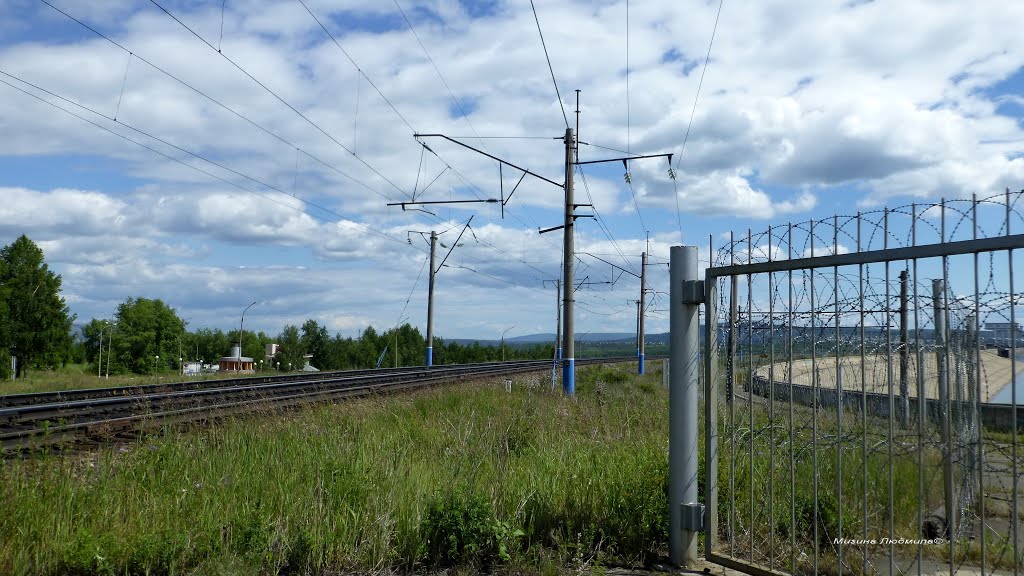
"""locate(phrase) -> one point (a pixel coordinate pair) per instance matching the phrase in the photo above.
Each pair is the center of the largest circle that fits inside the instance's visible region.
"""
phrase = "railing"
(863, 393)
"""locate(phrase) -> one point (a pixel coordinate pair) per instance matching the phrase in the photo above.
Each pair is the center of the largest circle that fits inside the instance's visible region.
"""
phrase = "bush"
(460, 528)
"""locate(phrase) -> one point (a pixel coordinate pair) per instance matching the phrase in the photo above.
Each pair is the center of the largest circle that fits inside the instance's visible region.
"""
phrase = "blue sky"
(805, 111)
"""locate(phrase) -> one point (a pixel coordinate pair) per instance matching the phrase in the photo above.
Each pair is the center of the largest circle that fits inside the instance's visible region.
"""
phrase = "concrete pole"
(558, 329)
(110, 348)
(640, 311)
(682, 404)
(941, 348)
(99, 368)
(430, 302)
(904, 409)
(637, 339)
(568, 345)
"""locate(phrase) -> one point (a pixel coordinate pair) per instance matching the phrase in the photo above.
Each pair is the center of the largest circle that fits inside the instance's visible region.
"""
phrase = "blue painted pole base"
(569, 376)
(430, 355)
(640, 365)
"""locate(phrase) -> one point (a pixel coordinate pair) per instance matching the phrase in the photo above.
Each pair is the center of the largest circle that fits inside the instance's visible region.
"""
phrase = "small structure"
(308, 367)
(236, 362)
(192, 368)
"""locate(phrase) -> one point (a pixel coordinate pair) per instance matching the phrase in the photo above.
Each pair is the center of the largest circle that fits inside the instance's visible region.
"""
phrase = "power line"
(436, 69)
(217, 102)
(358, 69)
(342, 219)
(707, 58)
(601, 223)
(550, 68)
(279, 98)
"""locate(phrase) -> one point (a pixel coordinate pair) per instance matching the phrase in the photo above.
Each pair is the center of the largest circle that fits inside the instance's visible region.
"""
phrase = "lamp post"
(240, 324)
(503, 341)
(155, 360)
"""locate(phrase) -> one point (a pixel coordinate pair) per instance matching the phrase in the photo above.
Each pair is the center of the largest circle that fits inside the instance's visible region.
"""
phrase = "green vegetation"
(35, 323)
(470, 477)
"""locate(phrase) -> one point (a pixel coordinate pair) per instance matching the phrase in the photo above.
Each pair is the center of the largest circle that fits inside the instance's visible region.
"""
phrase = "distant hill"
(593, 337)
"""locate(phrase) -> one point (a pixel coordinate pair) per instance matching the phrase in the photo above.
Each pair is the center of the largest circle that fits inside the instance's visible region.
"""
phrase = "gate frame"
(1007, 242)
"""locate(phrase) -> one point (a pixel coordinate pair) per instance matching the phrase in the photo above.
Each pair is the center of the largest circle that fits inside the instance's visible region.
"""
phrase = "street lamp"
(240, 324)
(503, 341)
(261, 365)
(155, 360)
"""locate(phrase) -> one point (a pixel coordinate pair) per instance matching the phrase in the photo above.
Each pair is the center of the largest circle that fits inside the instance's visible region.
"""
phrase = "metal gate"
(861, 394)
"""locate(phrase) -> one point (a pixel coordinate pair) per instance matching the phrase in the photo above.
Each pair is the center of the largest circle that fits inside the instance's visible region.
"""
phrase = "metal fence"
(862, 389)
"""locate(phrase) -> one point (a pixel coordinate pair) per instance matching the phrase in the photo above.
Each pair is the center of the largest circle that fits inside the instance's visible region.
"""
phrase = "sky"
(214, 154)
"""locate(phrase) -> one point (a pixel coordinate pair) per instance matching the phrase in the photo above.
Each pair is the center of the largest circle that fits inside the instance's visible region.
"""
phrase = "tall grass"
(453, 476)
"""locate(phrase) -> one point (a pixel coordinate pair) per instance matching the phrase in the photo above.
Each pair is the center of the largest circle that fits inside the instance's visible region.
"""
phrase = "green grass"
(81, 376)
(454, 476)
(468, 476)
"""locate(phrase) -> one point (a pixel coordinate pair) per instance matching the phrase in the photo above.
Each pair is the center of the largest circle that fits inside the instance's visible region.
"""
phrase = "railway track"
(32, 420)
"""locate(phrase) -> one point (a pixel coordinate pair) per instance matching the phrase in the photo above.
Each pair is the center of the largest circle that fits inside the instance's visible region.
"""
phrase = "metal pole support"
(686, 294)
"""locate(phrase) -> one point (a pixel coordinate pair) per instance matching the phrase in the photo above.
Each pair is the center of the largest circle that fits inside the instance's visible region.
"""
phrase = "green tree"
(38, 323)
(146, 329)
(316, 341)
(291, 350)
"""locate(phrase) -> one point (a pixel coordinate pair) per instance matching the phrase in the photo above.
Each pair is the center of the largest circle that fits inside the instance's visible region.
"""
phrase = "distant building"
(236, 362)
(1003, 331)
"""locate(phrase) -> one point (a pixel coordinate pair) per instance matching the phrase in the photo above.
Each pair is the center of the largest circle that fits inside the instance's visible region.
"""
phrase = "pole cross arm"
(491, 156)
(627, 158)
(423, 202)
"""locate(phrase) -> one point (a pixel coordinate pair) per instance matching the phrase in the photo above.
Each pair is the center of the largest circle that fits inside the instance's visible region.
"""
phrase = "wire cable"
(550, 68)
(689, 125)
(220, 104)
(280, 99)
(342, 219)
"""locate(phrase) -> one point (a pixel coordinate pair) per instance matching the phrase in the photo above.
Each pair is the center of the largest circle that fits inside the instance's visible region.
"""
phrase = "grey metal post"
(430, 301)
(938, 302)
(110, 348)
(970, 357)
(568, 346)
(640, 311)
(904, 412)
(682, 443)
(711, 398)
(730, 378)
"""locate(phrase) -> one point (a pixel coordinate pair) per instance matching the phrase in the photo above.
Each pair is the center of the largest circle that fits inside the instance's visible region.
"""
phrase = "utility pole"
(568, 285)
(558, 329)
(568, 298)
(643, 290)
(430, 302)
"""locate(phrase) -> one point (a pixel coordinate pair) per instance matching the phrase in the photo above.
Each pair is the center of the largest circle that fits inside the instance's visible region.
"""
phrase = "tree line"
(147, 335)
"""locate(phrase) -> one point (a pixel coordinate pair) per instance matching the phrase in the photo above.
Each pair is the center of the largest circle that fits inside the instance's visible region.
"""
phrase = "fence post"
(685, 295)
(711, 399)
(941, 349)
(664, 373)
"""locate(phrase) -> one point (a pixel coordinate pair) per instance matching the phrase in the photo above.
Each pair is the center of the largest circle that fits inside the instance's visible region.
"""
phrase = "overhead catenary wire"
(455, 100)
(218, 103)
(262, 128)
(550, 68)
(280, 99)
(314, 125)
(693, 110)
(343, 220)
